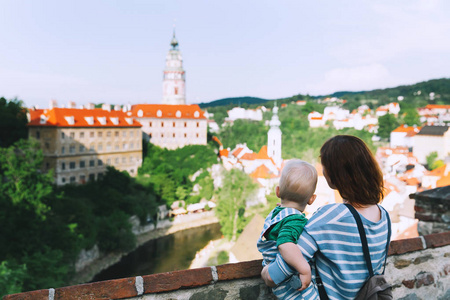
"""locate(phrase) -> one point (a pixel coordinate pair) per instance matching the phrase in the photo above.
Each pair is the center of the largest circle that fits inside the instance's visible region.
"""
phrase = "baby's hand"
(306, 280)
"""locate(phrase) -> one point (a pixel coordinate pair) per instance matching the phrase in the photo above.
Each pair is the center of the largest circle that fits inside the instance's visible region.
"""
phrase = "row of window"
(150, 124)
(82, 178)
(81, 134)
(173, 135)
(82, 148)
(82, 163)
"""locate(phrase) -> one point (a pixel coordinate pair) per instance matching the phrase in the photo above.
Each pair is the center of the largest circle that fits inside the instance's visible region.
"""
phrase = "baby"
(285, 223)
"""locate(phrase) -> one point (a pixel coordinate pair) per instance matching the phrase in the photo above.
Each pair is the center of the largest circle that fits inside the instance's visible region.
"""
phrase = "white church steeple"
(174, 85)
(274, 138)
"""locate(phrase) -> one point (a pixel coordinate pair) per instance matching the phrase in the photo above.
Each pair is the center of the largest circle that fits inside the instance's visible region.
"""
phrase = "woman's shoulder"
(328, 213)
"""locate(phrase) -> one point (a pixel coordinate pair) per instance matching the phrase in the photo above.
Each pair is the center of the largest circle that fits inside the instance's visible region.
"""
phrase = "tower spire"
(174, 41)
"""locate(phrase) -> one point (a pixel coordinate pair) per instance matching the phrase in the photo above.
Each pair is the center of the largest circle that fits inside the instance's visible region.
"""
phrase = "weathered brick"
(424, 278)
(110, 289)
(437, 239)
(241, 270)
(401, 263)
(34, 295)
(404, 246)
(170, 281)
(409, 283)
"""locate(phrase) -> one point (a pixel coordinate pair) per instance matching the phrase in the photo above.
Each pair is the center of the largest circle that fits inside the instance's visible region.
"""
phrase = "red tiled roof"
(167, 111)
(443, 181)
(237, 151)
(438, 171)
(262, 172)
(434, 106)
(316, 118)
(248, 156)
(408, 129)
(224, 152)
(262, 154)
(61, 117)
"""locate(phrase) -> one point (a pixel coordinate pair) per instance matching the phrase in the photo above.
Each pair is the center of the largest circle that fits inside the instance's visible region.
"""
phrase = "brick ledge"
(170, 281)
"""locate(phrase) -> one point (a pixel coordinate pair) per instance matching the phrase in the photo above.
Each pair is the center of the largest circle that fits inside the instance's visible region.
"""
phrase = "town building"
(247, 114)
(171, 126)
(432, 139)
(78, 144)
(174, 83)
(403, 135)
(392, 108)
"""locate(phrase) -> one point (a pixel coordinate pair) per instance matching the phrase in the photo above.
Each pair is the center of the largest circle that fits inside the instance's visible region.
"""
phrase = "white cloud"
(358, 78)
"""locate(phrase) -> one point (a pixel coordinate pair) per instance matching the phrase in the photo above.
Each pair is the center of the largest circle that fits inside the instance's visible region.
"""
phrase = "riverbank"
(143, 235)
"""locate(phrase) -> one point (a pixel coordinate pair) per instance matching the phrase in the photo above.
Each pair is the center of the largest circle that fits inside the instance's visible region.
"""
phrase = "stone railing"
(418, 268)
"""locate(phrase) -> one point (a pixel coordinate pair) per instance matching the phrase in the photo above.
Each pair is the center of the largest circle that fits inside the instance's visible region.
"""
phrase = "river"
(169, 253)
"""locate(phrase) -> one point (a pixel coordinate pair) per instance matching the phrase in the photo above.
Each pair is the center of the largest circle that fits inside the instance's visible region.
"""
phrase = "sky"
(114, 51)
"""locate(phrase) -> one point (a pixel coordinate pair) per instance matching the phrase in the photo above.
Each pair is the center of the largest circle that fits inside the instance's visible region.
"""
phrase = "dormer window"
(196, 114)
(70, 120)
(43, 119)
(102, 120)
(140, 113)
(114, 120)
(178, 114)
(159, 113)
(129, 120)
(89, 120)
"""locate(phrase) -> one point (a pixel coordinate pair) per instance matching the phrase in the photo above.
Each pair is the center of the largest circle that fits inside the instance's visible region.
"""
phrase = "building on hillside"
(403, 135)
(392, 108)
(78, 144)
(435, 114)
(395, 160)
(316, 119)
(246, 114)
(432, 139)
(174, 83)
(438, 177)
(171, 126)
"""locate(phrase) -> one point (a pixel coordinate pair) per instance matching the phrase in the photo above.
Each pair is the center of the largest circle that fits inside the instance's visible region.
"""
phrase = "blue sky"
(114, 51)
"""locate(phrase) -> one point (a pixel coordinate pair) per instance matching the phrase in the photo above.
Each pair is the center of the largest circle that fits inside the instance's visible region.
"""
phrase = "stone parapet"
(418, 268)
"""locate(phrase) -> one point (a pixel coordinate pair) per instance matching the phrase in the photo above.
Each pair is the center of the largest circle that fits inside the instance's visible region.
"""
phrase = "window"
(108, 147)
(47, 145)
(72, 179)
(100, 147)
(108, 134)
(124, 160)
(91, 177)
(63, 166)
(82, 179)
(162, 124)
(82, 164)
(92, 148)
(173, 124)
(185, 135)
(198, 124)
(63, 179)
(131, 159)
(38, 135)
(82, 148)
(72, 165)
(185, 124)
(72, 149)
(63, 150)
(149, 125)
(116, 147)
(132, 133)
(47, 166)
(81, 135)
(92, 134)
(174, 135)
(124, 133)
(131, 145)
(108, 161)
(92, 163)
(63, 136)
(72, 135)
(100, 176)
(197, 134)
(116, 134)
(132, 171)
(116, 160)
(99, 134)
(99, 162)
(162, 135)
(124, 146)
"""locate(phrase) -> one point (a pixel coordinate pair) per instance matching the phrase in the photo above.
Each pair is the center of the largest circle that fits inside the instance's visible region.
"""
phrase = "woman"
(331, 236)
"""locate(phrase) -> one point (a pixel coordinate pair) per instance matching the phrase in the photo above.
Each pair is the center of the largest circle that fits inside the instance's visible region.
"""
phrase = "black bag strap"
(362, 234)
(321, 289)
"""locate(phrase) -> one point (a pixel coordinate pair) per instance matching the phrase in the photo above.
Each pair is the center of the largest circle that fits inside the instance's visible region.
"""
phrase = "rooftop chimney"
(71, 104)
(53, 103)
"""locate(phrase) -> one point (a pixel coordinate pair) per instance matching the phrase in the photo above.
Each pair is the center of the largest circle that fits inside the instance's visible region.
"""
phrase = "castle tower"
(174, 91)
(274, 138)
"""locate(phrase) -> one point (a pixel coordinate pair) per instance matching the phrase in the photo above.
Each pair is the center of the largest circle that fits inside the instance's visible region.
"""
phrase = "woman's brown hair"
(353, 170)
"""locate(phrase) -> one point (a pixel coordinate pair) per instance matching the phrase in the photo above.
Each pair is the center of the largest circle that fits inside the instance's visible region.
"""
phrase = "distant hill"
(234, 101)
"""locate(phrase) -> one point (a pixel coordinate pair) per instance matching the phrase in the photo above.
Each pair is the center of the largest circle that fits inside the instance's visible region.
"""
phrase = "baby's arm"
(293, 256)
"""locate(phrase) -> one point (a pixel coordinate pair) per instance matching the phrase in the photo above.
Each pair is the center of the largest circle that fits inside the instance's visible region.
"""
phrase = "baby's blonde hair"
(298, 181)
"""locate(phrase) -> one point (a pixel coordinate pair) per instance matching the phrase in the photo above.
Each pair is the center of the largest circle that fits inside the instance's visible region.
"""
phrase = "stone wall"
(433, 210)
(418, 268)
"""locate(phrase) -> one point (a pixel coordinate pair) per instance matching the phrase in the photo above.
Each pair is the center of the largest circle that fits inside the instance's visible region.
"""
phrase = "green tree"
(13, 122)
(386, 124)
(433, 162)
(11, 278)
(412, 118)
(24, 184)
(237, 187)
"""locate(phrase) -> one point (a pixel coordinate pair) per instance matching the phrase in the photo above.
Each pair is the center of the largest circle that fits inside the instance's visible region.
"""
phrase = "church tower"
(174, 91)
(274, 138)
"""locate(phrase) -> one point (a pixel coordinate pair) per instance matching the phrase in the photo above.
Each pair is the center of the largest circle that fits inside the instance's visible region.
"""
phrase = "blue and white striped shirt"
(341, 265)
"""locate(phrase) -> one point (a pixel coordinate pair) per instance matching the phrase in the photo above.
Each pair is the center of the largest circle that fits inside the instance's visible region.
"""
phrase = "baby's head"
(298, 182)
